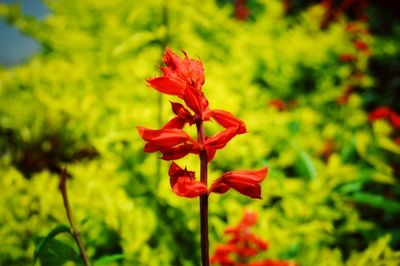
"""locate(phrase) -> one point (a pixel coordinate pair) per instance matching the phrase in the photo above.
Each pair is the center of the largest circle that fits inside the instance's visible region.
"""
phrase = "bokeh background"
(305, 76)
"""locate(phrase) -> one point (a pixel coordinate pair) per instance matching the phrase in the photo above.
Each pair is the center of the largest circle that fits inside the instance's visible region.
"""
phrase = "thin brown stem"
(203, 198)
(75, 232)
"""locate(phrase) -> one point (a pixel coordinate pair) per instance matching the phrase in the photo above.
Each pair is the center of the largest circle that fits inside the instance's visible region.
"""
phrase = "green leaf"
(53, 233)
(305, 165)
(56, 253)
(376, 201)
(349, 151)
(106, 260)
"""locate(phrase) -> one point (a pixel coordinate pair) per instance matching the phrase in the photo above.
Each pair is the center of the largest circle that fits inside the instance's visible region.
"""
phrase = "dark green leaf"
(376, 201)
(53, 233)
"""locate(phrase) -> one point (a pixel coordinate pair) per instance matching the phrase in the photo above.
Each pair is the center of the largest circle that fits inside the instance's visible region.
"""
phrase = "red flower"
(243, 244)
(172, 143)
(221, 255)
(183, 182)
(379, 113)
(241, 11)
(246, 182)
(361, 46)
(348, 58)
(278, 104)
(272, 263)
(394, 119)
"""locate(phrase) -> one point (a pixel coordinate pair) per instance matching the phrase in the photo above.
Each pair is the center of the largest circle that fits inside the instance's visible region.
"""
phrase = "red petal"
(227, 120)
(190, 70)
(245, 187)
(210, 154)
(249, 218)
(171, 60)
(176, 122)
(221, 255)
(256, 175)
(182, 112)
(394, 119)
(186, 187)
(219, 140)
(195, 100)
(174, 169)
(164, 137)
(168, 85)
(177, 152)
(219, 187)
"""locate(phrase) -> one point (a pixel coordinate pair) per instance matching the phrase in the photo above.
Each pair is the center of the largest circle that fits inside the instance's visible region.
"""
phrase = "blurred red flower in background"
(243, 245)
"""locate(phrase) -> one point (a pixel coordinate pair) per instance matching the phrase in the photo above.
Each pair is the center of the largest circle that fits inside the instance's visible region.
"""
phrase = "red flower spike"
(184, 77)
(227, 120)
(243, 245)
(245, 182)
(183, 182)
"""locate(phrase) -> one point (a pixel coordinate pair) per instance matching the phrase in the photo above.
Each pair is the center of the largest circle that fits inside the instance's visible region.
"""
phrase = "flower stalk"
(203, 198)
(75, 233)
(184, 78)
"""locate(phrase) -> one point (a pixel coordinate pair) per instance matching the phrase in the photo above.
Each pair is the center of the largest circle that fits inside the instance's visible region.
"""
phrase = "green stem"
(75, 232)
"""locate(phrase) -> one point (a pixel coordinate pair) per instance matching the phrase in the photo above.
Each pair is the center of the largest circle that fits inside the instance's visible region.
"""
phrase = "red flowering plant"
(184, 78)
(243, 245)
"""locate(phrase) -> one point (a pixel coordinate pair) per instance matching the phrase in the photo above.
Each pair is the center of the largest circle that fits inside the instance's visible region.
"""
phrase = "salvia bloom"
(184, 78)
(384, 112)
(243, 245)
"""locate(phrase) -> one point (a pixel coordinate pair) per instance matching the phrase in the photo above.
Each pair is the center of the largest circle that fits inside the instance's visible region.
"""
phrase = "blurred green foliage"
(331, 197)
